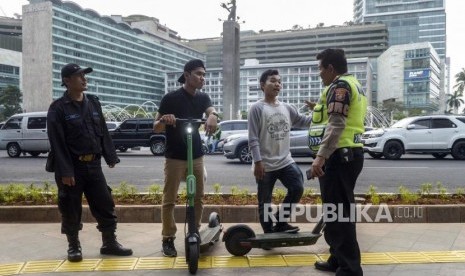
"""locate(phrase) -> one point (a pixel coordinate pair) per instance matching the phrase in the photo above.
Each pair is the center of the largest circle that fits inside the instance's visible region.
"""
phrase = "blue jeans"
(291, 177)
(214, 144)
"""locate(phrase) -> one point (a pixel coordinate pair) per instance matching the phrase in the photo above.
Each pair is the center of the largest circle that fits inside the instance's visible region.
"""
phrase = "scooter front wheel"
(193, 257)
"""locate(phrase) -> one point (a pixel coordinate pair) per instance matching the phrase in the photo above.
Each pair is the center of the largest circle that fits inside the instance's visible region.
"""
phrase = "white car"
(237, 146)
(438, 135)
(25, 133)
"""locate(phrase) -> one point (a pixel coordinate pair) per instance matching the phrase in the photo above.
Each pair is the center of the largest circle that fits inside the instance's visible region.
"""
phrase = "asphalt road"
(141, 169)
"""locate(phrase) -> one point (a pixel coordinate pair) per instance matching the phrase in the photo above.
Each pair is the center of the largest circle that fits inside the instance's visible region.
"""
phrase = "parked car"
(112, 125)
(1, 124)
(438, 135)
(25, 133)
(237, 146)
(228, 128)
(231, 127)
(138, 132)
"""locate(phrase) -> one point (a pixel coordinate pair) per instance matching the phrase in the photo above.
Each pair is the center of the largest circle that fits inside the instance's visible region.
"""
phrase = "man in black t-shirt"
(186, 102)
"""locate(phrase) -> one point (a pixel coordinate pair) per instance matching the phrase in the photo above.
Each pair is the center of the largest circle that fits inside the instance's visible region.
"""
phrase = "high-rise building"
(407, 21)
(411, 21)
(10, 51)
(10, 26)
(410, 74)
(358, 41)
(129, 62)
(10, 64)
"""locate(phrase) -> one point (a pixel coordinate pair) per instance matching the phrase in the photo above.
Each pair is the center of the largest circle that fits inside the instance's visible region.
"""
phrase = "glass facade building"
(421, 79)
(9, 75)
(411, 74)
(10, 52)
(129, 64)
(10, 68)
(301, 81)
(408, 21)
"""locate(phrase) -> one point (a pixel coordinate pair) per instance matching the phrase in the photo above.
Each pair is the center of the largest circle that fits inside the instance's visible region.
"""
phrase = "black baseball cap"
(71, 68)
(191, 65)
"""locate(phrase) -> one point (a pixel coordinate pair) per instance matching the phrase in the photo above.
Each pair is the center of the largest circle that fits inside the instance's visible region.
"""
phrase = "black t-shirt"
(183, 106)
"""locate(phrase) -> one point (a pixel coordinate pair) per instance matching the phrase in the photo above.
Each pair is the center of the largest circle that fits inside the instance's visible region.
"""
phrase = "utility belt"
(346, 154)
(89, 157)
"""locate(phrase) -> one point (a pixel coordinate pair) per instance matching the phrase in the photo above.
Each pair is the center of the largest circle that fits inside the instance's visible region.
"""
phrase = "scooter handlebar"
(191, 120)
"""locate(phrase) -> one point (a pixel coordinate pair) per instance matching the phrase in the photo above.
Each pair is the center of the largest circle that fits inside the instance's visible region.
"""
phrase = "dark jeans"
(291, 177)
(337, 187)
(91, 182)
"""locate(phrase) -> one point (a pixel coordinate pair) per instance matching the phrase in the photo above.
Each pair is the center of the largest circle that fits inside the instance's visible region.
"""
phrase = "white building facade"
(301, 81)
(129, 63)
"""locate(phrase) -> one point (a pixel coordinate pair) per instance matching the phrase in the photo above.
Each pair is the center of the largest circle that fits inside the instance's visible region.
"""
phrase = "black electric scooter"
(240, 239)
(196, 241)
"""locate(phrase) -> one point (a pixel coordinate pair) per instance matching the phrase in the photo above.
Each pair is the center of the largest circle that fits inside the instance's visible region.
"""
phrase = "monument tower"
(231, 62)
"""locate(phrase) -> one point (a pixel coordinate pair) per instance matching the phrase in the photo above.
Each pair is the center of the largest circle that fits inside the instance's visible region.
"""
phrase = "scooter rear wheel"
(233, 238)
(213, 220)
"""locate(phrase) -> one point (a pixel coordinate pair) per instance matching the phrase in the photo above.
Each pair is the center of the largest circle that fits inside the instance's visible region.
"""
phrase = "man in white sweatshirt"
(269, 123)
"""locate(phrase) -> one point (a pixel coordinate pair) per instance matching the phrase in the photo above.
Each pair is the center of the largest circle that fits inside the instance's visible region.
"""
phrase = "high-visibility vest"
(352, 133)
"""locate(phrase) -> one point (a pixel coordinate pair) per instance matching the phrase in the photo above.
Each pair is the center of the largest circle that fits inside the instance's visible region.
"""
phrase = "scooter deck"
(282, 239)
(209, 236)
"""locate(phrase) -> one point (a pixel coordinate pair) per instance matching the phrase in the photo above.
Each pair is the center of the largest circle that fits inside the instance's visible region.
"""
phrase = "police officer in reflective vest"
(335, 134)
(79, 138)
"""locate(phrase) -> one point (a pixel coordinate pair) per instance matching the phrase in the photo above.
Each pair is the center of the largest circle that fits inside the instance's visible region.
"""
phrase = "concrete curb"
(245, 213)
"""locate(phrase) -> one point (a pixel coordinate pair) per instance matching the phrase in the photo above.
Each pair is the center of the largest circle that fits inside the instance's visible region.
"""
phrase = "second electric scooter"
(240, 239)
(196, 241)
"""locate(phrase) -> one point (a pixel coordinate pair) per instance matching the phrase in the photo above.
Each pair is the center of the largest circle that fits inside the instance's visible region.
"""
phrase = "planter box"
(245, 214)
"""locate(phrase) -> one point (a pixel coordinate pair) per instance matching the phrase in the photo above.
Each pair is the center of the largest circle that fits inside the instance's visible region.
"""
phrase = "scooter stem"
(190, 180)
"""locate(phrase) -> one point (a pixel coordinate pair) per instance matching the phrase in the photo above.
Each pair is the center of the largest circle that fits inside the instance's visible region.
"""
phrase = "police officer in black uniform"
(79, 138)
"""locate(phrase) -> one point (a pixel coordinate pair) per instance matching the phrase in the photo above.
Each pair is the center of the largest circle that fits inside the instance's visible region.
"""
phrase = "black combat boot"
(112, 247)
(74, 248)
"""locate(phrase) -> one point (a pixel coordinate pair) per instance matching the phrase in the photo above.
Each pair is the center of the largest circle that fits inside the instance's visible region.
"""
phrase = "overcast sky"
(199, 18)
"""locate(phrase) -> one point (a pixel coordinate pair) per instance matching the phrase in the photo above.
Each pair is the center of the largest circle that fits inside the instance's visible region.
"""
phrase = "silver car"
(237, 146)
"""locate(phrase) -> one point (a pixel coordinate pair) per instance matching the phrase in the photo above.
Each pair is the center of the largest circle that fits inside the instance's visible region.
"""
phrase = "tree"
(244, 115)
(460, 81)
(10, 99)
(455, 100)
(392, 110)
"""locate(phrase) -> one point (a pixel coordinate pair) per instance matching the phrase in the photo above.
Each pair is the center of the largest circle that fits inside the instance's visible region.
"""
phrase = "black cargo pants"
(91, 182)
(337, 189)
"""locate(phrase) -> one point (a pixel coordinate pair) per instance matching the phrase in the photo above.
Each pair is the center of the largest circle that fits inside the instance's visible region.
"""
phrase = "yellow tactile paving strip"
(117, 264)
(205, 262)
(85, 265)
(11, 269)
